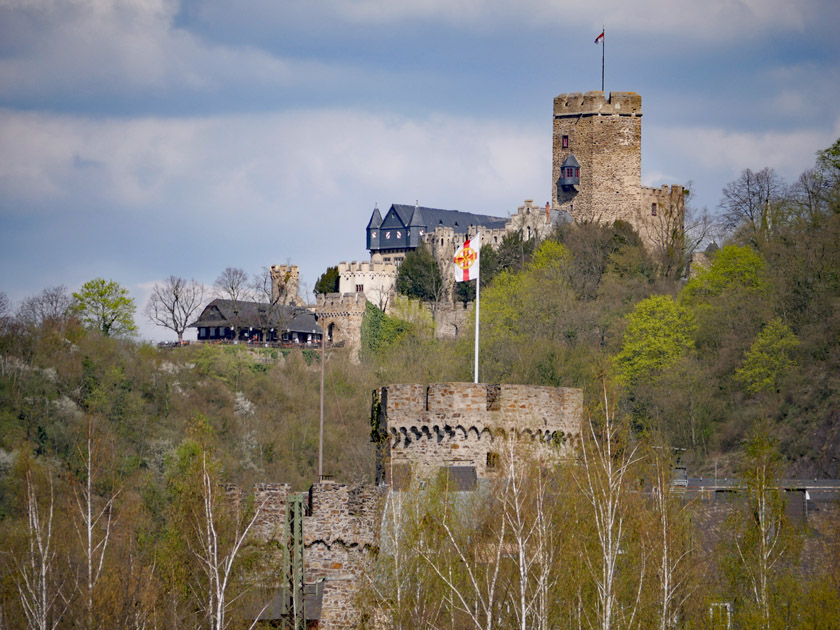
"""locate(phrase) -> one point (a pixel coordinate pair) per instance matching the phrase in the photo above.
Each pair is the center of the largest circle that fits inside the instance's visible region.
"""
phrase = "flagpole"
(603, 53)
(477, 316)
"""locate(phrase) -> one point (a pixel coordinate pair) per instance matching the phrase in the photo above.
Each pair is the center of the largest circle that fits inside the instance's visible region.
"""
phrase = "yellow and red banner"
(467, 260)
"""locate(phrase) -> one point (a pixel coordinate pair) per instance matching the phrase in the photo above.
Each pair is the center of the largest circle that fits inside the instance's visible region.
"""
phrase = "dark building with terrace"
(257, 322)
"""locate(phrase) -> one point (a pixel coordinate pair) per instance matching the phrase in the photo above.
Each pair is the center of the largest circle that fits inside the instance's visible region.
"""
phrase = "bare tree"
(41, 596)
(531, 537)
(173, 303)
(93, 522)
(468, 560)
(215, 554)
(676, 235)
(752, 203)
(604, 481)
(675, 551)
(234, 284)
(50, 306)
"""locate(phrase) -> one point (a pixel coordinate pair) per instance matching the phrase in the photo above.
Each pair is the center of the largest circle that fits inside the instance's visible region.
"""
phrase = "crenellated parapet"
(465, 424)
(596, 104)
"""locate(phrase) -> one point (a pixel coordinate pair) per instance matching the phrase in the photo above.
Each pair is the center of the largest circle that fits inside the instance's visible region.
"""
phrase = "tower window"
(653, 209)
(360, 288)
(565, 142)
(492, 460)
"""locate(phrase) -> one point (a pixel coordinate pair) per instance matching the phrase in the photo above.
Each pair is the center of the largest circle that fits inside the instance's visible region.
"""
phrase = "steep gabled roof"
(242, 314)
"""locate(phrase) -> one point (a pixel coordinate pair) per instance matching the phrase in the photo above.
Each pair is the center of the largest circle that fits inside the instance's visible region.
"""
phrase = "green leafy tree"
(105, 306)
(768, 359)
(733, 267)
(658, 334)
(420, 277)
(328, 282)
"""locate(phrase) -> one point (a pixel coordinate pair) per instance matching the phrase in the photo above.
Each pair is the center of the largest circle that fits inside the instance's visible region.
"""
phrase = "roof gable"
(393, 220)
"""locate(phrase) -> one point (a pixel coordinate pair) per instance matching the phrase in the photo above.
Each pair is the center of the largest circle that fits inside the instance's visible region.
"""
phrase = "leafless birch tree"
(93, 520)
(215, 555)
(41, 595)
(607, 460)
(670, 541)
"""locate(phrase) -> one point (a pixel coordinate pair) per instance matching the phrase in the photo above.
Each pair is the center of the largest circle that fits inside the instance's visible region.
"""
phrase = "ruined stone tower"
(597, 166)
(284, 284)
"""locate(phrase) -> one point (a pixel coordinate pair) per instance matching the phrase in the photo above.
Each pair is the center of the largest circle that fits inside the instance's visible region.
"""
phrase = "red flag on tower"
(599, 38)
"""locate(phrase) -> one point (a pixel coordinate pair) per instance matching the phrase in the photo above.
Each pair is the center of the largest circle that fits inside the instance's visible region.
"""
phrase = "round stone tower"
(462, 426)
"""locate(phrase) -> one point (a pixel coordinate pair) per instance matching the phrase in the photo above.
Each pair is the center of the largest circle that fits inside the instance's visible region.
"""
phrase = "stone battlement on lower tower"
(464, 425)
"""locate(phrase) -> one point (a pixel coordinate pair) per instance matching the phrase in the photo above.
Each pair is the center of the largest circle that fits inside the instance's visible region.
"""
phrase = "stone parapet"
(461, 424)
(595, 103)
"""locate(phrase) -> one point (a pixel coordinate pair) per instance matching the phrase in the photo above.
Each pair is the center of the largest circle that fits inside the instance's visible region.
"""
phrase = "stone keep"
(602, 137)
(605, 135)
(444, 425)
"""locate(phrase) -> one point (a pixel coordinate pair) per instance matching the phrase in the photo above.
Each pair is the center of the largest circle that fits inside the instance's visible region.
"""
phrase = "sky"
(146, 138)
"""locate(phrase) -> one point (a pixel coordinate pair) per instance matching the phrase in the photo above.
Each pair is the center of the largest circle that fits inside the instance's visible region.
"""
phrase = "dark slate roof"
(375, 219)
(571, 161)
(455, 219)
(243, 314)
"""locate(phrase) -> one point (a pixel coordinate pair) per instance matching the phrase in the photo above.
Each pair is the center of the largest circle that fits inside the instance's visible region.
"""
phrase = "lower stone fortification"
(340, 524)
(425, 427)
(464, 425)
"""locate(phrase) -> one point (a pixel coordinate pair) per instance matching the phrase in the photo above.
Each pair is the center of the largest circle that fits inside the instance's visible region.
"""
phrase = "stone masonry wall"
(344, 312)
(605, 135)
(458, 424)
(284, 283)
(341, 523)
(377, 279)
(661, 212)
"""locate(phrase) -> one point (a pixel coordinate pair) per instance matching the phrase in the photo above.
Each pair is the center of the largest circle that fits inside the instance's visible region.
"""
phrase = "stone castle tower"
(597, 166)
(284, 283)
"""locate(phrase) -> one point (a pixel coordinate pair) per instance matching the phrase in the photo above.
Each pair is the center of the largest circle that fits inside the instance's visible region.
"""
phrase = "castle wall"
(458, 424)
(451, 320)
(605, 135)
(378, 280)
(661, 217)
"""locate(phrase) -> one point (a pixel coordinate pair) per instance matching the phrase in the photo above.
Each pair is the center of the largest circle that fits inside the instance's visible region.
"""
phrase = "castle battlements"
(461, 424)
(595, 104)
(367, 268)
(340, 301)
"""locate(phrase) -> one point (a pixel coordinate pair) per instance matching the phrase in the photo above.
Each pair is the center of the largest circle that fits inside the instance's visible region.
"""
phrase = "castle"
(596, 177)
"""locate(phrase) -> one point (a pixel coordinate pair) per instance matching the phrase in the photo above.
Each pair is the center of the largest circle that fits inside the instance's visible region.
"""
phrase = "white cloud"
(219, 164)
(128, 47)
